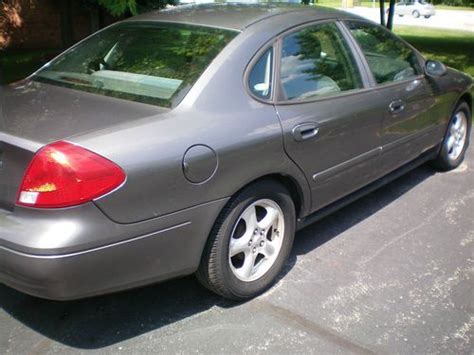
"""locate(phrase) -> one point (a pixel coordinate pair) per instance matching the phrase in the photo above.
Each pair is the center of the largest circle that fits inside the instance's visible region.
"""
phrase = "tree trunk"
(101, 18)
(94, 20)
(67, 31)
(382, 12)
(391, 13)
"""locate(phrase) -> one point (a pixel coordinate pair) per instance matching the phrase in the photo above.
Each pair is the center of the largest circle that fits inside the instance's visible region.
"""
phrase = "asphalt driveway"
(393, 272)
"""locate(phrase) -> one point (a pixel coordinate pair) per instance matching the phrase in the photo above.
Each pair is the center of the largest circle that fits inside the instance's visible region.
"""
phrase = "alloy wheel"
(457, 135)
(256, 240)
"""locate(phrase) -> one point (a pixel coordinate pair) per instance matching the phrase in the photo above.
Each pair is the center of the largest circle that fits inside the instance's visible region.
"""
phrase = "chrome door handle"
(305, 131)
(396, 106)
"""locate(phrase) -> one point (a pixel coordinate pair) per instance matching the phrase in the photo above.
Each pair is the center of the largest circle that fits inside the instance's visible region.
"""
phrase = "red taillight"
(63, 174)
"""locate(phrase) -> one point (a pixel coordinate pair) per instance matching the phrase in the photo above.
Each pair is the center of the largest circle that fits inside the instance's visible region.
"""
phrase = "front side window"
(315, 62)
(147, 62)
(389, 59)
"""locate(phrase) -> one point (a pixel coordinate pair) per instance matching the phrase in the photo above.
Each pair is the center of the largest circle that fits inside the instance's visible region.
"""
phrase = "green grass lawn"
(454, 48)
(368, 3)
(458, 8)
(339, 4)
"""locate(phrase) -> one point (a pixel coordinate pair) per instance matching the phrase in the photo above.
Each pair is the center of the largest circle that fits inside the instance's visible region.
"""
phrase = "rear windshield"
(151, 63)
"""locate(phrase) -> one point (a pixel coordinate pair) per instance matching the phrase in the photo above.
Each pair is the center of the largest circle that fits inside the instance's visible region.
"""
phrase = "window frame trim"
(251, 65)
(279, 100)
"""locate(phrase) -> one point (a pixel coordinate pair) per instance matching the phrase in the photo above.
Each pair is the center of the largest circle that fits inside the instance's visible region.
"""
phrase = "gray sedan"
(199, 139)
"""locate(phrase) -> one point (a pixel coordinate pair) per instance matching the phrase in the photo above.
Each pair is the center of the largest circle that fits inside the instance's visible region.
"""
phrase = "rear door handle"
(305, 131)
(396, 106)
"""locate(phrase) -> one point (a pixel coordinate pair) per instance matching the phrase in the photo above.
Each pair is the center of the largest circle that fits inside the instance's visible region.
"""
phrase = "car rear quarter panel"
(77, 252)
(245, 135)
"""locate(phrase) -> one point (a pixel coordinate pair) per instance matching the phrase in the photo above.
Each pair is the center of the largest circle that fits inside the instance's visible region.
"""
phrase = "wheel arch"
(293, 187)
(298, 189)
(467, 98)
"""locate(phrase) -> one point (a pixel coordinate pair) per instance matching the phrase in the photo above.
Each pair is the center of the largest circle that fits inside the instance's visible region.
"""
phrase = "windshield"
(153, 63)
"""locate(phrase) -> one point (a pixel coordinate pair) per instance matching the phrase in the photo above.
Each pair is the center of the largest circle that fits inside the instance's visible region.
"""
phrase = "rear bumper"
(167, 252)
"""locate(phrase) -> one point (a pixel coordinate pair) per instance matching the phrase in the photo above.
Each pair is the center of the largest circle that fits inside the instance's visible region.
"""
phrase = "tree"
(119, 8)
(98, 9)
(390, 13)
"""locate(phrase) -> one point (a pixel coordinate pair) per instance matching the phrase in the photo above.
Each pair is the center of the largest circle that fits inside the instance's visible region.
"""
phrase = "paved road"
(391, 273)
(447, 19)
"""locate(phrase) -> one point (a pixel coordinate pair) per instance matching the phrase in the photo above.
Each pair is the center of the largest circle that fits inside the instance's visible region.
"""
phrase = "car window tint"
(316, 61)
(260, 78)
(154, 63)
(388, 57)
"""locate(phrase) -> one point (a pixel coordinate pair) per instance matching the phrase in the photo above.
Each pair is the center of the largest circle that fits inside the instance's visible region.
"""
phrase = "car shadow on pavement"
(321, 232)
(106, 320)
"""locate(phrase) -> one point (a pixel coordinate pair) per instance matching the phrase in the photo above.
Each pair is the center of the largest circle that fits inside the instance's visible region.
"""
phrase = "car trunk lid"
(34, 114)
(14, 158)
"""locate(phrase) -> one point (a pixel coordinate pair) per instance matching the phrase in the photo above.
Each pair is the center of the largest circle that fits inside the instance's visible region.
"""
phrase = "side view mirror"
(435, 68)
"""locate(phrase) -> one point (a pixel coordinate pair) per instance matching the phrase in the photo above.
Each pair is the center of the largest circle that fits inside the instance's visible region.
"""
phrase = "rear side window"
(389, 59)
(153, 63)
(316, 61)
(260, 78)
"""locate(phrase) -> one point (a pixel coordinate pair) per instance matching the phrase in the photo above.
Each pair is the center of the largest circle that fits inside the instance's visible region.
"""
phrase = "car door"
(330, 123)
(411, 120)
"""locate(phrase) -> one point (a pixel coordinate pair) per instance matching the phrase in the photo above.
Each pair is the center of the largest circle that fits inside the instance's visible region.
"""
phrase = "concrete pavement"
(391, 273)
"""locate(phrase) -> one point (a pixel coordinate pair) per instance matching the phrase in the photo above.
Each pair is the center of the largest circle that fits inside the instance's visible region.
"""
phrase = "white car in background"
(415, 8)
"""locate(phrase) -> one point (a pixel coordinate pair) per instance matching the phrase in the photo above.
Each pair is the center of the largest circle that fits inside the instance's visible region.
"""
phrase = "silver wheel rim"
(256, 240)
(457, 134)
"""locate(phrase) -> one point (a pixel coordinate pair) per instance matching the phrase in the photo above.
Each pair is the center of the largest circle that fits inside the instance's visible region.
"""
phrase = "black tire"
(416, 14)
(427, 16)
(443, 161)
(215, 272)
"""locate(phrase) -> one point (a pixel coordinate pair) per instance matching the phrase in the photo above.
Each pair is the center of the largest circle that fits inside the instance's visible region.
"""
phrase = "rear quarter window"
(260, 78)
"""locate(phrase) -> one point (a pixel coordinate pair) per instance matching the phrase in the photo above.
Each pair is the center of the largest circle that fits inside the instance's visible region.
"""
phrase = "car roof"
(236, 16)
